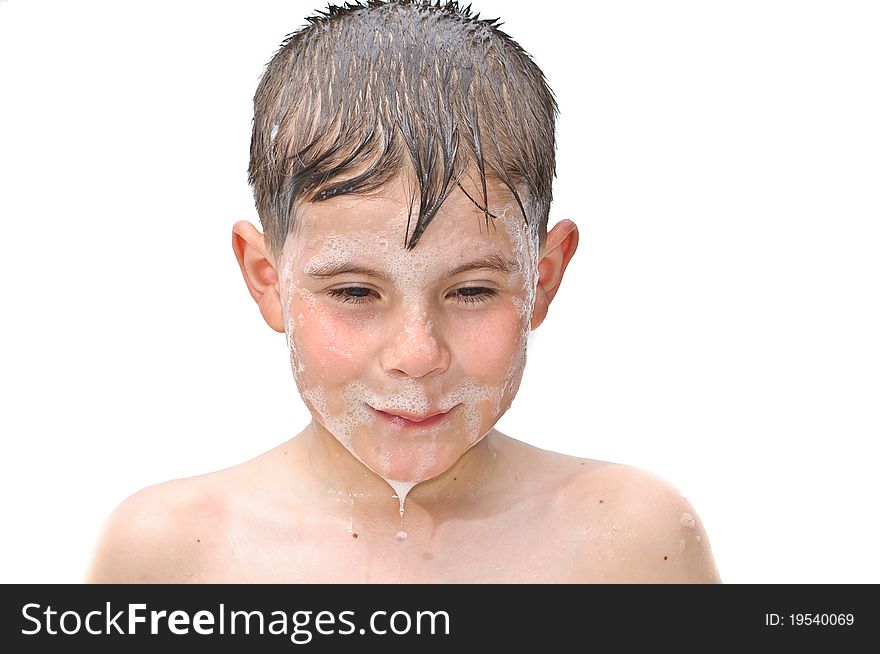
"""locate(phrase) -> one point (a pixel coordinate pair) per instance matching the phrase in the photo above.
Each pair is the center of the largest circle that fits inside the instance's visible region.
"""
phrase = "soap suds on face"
(346, 411)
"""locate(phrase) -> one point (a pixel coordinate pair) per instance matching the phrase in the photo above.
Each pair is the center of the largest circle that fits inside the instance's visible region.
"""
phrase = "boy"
(402, 159)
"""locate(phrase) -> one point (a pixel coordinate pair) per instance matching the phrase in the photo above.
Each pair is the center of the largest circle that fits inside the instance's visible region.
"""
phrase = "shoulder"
(642, 523)
(159, 534)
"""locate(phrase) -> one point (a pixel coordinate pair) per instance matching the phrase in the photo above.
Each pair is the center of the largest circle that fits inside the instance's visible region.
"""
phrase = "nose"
(413, 348)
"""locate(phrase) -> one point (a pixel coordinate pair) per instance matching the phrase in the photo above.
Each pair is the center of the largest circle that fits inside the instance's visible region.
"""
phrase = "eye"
(353, 294)
(474, 294)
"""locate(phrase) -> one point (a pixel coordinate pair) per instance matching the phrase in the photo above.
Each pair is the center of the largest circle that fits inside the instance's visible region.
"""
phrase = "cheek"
(327, 345)
(489, 342)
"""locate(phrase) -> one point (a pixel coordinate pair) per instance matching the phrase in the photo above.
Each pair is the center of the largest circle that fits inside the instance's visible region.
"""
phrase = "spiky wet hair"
(363, 92)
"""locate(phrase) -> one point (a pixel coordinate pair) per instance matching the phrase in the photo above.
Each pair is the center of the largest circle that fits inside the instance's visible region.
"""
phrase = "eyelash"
(485, 294)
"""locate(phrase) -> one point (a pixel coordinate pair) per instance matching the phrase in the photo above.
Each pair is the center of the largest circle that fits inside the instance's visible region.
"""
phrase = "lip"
(409, 420)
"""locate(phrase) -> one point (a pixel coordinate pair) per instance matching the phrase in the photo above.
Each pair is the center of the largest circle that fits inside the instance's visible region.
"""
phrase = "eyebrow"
(495, 262)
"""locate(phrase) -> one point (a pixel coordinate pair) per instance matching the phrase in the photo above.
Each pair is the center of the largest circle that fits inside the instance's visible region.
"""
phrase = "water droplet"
(400, 535)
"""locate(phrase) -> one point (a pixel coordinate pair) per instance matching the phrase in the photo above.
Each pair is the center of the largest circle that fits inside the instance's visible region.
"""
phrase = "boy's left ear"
(559, 248)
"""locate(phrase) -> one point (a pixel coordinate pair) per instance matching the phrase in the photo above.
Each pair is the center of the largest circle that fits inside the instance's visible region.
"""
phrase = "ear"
(559, 247)
(258, 271)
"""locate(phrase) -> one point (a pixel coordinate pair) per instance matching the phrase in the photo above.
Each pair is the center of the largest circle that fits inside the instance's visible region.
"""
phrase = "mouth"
(406, 420)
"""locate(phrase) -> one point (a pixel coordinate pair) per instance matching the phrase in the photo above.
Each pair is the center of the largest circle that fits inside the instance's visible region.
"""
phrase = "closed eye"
(474, 294)
(353, 294)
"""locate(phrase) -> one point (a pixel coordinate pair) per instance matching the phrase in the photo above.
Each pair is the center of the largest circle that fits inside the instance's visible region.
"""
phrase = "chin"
(415, 464)
(422, 463)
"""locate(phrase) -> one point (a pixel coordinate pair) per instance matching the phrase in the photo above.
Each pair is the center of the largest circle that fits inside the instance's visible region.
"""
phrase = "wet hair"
(366, 92)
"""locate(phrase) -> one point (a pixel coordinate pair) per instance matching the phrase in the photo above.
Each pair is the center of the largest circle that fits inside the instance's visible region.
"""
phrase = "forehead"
(379, 224)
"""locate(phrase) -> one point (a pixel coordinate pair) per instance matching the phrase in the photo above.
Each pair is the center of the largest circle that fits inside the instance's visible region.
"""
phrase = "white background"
(718, 325)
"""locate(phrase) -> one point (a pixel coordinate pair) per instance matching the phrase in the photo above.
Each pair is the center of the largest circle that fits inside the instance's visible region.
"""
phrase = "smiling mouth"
(412, 421)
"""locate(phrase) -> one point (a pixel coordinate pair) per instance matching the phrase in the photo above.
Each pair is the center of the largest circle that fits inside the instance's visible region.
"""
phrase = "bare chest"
(522, 547)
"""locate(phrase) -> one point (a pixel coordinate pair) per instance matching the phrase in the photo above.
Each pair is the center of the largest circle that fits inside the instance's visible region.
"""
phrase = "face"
(408, 357)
